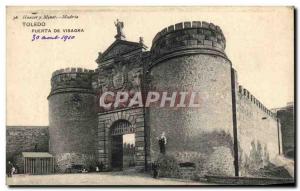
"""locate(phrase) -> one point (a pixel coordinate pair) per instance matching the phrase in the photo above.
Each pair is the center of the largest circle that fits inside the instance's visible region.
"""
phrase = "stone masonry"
(230, 133)
(25, 139)
(188, 56)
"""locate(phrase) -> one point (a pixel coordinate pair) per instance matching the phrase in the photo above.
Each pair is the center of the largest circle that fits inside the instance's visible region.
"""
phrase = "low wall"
(25, 139)
(257, 134)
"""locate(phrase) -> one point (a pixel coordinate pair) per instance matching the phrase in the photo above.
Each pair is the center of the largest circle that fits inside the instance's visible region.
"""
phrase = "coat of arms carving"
(118, 75)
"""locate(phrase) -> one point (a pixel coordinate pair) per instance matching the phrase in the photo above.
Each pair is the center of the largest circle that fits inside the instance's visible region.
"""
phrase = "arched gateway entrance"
(122, 135)
(118, 127)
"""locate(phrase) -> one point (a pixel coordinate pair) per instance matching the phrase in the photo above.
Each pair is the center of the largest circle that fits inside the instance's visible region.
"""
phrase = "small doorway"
(122, 145)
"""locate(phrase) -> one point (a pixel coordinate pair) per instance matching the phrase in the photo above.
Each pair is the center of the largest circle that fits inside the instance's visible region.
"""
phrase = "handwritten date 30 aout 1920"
(65, 38)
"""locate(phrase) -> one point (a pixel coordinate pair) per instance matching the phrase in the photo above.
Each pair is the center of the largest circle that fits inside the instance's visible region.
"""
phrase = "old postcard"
(150, 96)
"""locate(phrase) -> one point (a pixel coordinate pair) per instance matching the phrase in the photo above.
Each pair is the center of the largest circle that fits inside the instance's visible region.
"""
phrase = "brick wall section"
(257, 131)
(195, 134)
(25, 138)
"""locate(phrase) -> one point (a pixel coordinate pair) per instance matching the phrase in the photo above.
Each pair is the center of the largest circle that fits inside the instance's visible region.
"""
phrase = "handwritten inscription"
(43, 28)
(36, 37)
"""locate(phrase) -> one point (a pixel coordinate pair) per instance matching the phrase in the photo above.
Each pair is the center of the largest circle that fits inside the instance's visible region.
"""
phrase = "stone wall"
(188, 56)
(201, 135)
(25, 139)
(72, 118)
(70, 77)
(258, 135)
(120, 69)
(72, 128)
(286, 116)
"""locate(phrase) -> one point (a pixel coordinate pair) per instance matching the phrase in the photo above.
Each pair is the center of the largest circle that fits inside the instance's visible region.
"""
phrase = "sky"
(259, 43)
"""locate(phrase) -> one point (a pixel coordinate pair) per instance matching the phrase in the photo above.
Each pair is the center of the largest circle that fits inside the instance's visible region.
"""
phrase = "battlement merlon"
(246, 94)
(72, 70)
(191, 25)
(71, 80)
(184, 38)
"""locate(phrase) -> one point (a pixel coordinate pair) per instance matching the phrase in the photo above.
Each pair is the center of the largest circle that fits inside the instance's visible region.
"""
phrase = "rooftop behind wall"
(246, 94)
(189, 35)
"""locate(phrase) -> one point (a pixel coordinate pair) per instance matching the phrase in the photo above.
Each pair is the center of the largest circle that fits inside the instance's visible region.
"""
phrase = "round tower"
(72, 118)
(190, 57)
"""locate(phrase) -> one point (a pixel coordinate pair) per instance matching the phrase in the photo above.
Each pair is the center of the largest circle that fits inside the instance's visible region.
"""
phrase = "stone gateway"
(230, 134)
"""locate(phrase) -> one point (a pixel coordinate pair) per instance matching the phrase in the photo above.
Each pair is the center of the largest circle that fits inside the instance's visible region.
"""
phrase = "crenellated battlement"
(189, 25)
(187, 36)
(72, 70)
(246, 94)
(68, 79)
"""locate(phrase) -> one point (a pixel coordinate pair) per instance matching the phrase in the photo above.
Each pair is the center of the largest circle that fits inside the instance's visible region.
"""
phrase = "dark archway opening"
(117, 152)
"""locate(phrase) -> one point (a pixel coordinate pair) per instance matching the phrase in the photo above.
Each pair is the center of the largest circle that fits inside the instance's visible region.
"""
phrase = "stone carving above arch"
(121, 116)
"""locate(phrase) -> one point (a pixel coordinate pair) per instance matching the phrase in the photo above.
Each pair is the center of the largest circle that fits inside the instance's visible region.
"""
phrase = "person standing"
(162, 141)
(9, 169)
